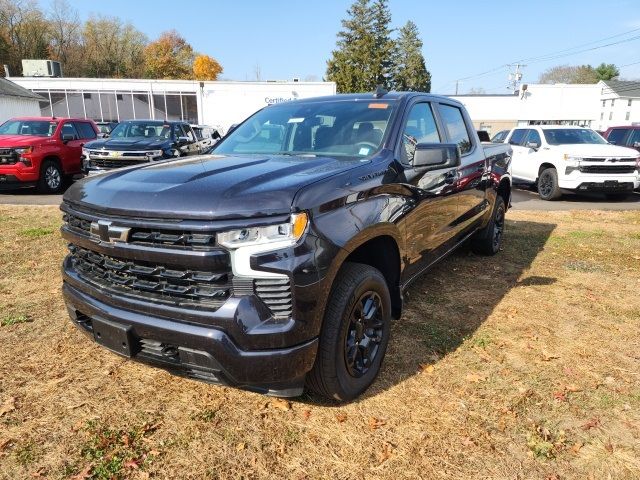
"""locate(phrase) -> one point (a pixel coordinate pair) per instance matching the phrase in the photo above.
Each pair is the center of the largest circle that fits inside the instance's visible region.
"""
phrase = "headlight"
(281, 235)
(23, 150)
(85, 153)
(155, 153)
(572, 161)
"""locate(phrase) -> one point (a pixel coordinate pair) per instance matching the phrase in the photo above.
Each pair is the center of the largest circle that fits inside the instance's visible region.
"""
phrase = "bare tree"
(65, 43)
(25, 33)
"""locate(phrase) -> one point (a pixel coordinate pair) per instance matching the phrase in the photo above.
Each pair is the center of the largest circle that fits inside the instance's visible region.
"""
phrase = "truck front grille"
(619, 169)
(155, 282)
(276, 294)
(109, 163)
(152, 237)
(8, 156)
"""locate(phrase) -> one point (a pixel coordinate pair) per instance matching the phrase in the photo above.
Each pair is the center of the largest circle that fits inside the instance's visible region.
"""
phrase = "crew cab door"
(71, 147)
(430, 224)
(472, 175)
(526, 144)
(189, 145)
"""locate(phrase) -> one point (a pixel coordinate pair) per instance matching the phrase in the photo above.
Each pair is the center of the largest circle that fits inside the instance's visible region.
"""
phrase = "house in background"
(17, 101)
(619, 104)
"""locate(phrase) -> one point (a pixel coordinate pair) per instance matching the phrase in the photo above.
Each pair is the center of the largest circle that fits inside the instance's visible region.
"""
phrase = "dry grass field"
(521, 366)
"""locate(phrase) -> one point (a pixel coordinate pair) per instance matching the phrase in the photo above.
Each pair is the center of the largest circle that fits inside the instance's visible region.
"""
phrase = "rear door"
(71, 149)
(430, 223)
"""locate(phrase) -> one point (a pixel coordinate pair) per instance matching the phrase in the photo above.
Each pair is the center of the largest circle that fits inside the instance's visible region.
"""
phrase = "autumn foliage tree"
(206, 68)
(170, 56)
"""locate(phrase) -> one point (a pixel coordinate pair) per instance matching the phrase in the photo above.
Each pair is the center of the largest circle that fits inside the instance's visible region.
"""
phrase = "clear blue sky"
(288, 38)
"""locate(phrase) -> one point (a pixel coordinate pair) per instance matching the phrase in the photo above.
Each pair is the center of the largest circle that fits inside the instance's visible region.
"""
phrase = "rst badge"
(103, 230)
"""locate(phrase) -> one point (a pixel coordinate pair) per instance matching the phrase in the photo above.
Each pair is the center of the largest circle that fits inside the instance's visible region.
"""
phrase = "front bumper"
(198, 351)
(600, 183)
(12, 182)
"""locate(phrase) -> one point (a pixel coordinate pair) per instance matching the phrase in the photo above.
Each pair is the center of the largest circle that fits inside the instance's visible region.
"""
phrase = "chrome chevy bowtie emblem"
(103, 230)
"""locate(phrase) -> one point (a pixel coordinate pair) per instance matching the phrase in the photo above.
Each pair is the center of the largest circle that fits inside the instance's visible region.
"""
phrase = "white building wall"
(18, 107)
(219, 103)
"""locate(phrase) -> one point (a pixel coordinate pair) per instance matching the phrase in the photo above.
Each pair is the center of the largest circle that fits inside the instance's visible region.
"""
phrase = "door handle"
(451, 177)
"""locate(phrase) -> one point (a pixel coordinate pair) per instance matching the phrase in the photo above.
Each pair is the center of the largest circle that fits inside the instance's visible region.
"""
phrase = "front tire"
(548, 188)
(51, 177)
(354, 336)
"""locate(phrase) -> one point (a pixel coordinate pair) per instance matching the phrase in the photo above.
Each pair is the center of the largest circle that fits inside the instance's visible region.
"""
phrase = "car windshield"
(141, 129)
(38, 128)
(571, 136)
(341, 128)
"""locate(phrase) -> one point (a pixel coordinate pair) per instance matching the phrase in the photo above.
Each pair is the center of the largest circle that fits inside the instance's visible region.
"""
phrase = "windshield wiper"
(294, 154)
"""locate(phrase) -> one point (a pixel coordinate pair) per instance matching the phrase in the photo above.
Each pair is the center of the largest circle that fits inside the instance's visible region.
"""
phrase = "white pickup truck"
(559, 158)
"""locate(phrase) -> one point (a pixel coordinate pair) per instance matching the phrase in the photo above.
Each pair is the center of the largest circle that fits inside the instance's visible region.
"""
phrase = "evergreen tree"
(385, 51)
(352, 63)
(411, 73)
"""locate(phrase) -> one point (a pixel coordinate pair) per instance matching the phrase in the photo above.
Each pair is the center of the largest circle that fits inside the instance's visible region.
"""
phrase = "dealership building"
(211, 103)
(224, 103)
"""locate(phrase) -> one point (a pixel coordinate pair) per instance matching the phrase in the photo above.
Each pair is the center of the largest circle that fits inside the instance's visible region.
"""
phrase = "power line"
(558, 54)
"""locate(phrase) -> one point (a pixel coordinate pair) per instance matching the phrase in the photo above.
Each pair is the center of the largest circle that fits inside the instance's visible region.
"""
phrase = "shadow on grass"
(452, 300)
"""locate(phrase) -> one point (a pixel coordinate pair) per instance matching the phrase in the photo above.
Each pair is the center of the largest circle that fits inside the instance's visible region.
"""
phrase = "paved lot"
(523, 199)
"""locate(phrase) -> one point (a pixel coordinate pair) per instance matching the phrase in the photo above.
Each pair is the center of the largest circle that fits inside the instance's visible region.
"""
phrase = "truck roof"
(370, 96)
(53, 118)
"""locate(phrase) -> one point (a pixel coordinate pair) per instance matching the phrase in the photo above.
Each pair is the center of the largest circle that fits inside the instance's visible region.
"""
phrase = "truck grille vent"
(8, 156)
(607, 168)
(276, 294)
(207, 289)
(164, 238)
(113, 163)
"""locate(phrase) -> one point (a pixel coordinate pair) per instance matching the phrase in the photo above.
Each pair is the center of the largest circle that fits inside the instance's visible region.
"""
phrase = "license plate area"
(116, 337)
(611, 183)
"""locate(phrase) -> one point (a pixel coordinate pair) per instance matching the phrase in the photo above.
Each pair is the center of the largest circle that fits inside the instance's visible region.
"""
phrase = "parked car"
(42, 151)
(571, 159)
(627, 136)
(139, 141)
(106, 127)
(282, 259)
(207, 136)
(501, 136)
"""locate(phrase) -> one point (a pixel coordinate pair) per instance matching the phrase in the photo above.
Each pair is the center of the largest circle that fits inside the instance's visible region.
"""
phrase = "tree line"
(102, 46)
(579, 73)
(368, 53)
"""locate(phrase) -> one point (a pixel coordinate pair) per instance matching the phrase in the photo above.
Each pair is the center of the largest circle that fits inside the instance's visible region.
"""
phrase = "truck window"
(517, 137)
(69, 129)
(634, 138)
(420, 128)
(533, 137)
(85, 130)
(616, 136)
(456, 128)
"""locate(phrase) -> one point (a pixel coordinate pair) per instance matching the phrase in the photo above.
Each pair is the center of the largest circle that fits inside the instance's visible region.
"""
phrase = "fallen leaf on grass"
(385, 453)
(424, 368)
(576, 447)
(591, 423)
(375, 423)
(608, 446)
(572, 388)
(84, 474)
(467, 442)
(547, 357)
(560, 396)
(4, 443)
(476, 377)
(133, 464)
(341, 417)
(38, 473)
(280, 404)
(306, 414)
(9, 405)
(241, 446)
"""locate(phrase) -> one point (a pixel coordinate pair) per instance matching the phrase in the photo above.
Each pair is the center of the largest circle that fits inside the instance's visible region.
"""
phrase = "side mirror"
(636, 144)
(103, 135)
(433, 156)
(232, 128)
(183, 141)
(533, 145)
(67, 137)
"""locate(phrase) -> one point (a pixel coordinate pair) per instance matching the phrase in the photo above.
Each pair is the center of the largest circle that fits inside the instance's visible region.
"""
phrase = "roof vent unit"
(41, 68)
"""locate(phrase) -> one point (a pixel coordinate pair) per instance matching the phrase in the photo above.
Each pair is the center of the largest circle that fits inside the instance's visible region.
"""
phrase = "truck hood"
(130, 143)
(207, 187)
(596, 150)
(21, 140)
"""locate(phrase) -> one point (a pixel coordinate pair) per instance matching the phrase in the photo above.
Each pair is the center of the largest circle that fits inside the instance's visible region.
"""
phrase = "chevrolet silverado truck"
(561, 159)
(139, 141)
(280, 260)
(42, 152)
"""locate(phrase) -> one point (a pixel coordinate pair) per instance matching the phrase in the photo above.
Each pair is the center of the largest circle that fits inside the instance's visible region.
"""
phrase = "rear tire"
(489, 240)
(354, 336)
(548, 188)
(51, 177)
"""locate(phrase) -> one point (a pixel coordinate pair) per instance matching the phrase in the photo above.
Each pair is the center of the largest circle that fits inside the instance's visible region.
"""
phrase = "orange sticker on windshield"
(379, 105)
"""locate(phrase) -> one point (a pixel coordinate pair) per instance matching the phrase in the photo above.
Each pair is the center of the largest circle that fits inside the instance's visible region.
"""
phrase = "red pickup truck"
(42, 151)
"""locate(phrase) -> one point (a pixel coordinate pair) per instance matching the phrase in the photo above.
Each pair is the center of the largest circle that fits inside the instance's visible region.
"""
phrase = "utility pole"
(515, 77)
(457, 82)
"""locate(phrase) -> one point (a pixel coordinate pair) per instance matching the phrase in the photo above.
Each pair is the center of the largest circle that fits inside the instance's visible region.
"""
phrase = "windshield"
(141, 129)
(336, 129)
(38, 128)
(571, 136)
